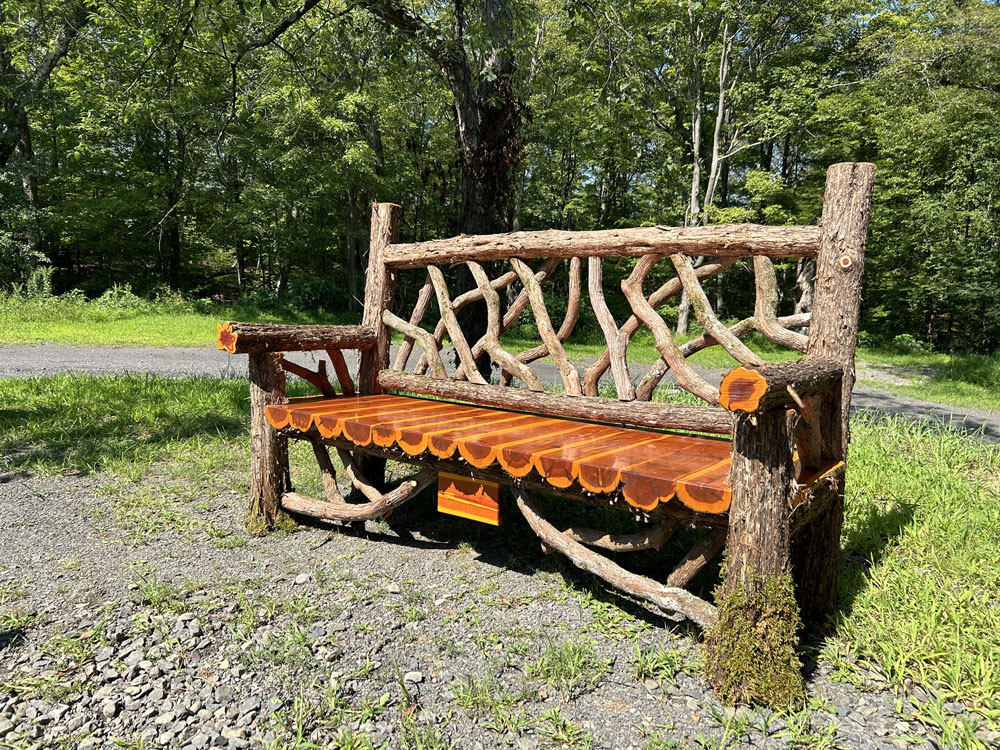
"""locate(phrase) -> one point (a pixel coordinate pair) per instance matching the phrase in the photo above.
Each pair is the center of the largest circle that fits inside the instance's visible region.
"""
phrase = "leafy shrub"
(39, 283)
(906, 342)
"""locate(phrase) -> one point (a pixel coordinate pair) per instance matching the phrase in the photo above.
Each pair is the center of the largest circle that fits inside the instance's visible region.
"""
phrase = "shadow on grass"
(83, 424)
(867, 544)
(87, 447)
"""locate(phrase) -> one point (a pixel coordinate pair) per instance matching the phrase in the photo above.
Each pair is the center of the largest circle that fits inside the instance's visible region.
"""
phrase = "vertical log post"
(269, 475)
(750, 654)
(833, 334)
(380, 284)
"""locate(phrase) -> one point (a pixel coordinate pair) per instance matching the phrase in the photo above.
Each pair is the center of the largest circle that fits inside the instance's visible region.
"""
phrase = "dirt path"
(48, 359)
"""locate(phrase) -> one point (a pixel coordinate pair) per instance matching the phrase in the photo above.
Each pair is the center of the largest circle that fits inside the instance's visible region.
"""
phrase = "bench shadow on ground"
(514, 547)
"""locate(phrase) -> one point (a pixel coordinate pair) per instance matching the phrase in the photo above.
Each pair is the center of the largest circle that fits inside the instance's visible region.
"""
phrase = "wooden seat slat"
(648, 467)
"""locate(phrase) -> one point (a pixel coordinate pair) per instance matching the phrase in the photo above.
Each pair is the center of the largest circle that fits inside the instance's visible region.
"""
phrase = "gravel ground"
(426, 632)
(26, 360)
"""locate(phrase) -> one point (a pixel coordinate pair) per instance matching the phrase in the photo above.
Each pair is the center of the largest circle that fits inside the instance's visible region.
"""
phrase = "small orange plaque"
(469, 498)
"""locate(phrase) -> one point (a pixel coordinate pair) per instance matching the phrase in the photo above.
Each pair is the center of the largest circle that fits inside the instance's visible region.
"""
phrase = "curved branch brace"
(343, 374)
(703, 310)
(454, 329)
(687, 378)
(307, 506)
(593, 374)
(419, 310)
(328, 472)
(570, 377)
(318, 379)
(431, 353)
(673, 600)
(357, 477)
(617, 343)
(698, 557)
(766, 307)
(660, 368)
(568, 324)
(652, 538)
(491, 341)
(474, 295)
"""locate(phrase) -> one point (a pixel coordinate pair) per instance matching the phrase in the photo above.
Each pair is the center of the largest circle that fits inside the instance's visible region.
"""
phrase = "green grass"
(968, 380)
(921, 583)
(120, 318)
(918, 590)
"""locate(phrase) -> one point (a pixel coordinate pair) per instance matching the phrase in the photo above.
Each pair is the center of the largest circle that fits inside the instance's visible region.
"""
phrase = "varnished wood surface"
(648, 467)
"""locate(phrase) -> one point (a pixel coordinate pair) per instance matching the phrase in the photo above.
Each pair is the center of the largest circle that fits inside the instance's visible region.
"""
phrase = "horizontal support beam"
(590, 408)
(722, 240)
(757, 389)
(245, 338)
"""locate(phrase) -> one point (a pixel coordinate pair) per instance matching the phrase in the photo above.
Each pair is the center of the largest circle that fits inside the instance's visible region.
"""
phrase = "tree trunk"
(833, 335)
(29, 181)
(380, 284)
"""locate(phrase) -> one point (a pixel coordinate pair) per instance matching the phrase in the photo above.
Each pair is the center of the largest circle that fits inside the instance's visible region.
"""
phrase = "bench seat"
(648, 467)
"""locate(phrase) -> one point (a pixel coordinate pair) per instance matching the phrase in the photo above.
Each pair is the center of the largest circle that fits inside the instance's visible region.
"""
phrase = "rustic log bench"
(761, 466)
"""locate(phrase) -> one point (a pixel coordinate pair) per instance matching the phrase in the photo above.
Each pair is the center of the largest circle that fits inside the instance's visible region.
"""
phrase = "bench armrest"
(246, 338)
(778, 386)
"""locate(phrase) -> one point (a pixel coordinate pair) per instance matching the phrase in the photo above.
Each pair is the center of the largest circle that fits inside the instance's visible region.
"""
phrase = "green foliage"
(751, 653)
(168, 150)
(572, 666)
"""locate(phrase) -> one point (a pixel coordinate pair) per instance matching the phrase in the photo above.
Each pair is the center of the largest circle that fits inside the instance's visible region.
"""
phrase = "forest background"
(228, 150)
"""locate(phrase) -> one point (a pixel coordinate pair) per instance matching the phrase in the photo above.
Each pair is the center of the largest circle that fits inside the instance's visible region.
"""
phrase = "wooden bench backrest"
(837, 243)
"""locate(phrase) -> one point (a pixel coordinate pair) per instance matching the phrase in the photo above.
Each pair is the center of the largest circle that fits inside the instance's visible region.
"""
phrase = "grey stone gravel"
(425, 608)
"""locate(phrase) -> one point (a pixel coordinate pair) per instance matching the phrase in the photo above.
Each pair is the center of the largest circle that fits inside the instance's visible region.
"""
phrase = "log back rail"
(592, 408)
(723, 240)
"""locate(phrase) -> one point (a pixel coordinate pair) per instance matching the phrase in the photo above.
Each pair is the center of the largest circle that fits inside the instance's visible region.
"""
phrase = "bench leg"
(269, 475)
(751, 653)
(816, 554)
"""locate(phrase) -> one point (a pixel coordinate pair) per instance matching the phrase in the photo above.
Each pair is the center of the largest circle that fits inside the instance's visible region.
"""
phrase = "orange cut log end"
(742, 390)
(225, 338)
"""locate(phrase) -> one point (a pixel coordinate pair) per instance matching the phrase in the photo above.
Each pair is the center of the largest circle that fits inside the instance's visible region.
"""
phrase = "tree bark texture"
(669, 599)
(251, 338)
(379, 291)
(833, 334)
(840, 268)
(720, 240)
(269, 475)
(751, 655)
